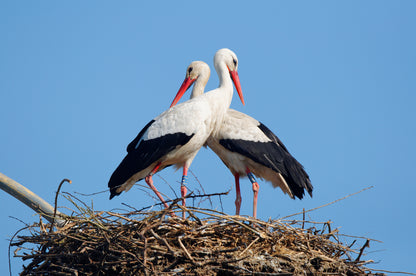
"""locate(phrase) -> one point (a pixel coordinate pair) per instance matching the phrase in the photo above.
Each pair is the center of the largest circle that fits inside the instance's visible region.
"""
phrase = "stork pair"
(246, 146)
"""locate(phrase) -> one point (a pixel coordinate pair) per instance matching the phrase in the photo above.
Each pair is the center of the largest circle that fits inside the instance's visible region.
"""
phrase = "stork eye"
(235, 62)
(190, 70)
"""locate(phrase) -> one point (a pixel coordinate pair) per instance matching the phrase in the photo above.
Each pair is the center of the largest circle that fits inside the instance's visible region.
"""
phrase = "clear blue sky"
(335, 80)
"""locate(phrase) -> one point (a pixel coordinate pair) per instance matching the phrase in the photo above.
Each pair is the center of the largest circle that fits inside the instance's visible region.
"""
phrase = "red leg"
(149, 182)
(256, 188)
(183, 188)
(238, 194)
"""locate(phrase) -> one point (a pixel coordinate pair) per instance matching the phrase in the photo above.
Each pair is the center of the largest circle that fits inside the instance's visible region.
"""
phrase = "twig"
(231, 218)
(144, 250)
(91, 194)
(200, 185)
(398, 272)
(184, 249)
(129, 206)
(244, 251)
(120, 216)
(366, 244)
(188, 196)
(19, 220)
(358, 237)
(222, 208)
(10, 244)
(56, 202)
(313, 209)
(170, 186)
(303, 222)
(163, 240)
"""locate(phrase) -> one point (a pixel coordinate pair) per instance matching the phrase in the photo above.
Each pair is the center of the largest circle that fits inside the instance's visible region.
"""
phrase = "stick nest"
(208, 242)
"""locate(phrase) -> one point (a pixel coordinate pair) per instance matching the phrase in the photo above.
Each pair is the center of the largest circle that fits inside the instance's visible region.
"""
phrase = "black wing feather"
(273, 155)
(133, 143)
(148, 152)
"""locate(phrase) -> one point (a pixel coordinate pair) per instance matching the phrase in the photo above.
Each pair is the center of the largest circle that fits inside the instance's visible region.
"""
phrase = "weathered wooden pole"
(29, 198)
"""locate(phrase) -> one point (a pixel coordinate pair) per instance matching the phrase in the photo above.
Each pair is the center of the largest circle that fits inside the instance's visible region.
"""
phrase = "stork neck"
(225, 88)
(224, 76)
(198, 88)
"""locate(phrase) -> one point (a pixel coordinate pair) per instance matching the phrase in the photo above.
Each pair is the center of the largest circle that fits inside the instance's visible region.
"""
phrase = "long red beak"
(236, 80)
(185, 86)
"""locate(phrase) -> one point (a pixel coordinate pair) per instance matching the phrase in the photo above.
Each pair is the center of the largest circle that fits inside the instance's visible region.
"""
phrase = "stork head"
(230, 59)
(198, 72)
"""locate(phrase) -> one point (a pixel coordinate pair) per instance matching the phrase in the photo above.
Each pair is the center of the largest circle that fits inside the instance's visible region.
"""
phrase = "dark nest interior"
(208, 242)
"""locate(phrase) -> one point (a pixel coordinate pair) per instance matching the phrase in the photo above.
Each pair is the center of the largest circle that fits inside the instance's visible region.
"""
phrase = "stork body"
(176, 135)
(248, 148)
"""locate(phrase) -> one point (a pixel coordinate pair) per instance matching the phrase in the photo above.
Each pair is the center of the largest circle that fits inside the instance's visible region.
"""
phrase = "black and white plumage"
(176, 135)
(248, 147)
(143, 154)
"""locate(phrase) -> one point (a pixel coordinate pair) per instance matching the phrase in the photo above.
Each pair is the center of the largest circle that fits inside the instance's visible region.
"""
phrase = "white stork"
(248, 148)
(176, 135)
